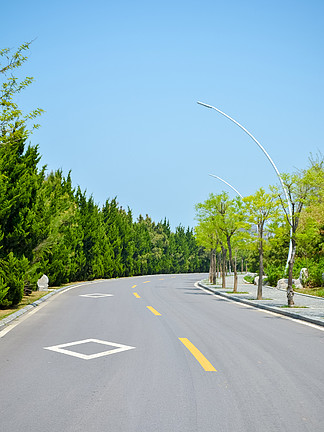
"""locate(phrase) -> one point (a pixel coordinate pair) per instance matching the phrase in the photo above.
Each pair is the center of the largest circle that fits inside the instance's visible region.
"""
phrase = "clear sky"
(119, 81)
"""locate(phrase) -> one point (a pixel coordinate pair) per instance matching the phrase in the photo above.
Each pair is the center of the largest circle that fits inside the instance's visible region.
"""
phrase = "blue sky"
(119, 82)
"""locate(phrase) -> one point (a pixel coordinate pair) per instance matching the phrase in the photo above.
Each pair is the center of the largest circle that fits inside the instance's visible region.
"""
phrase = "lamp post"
(212, 175)
(270, 160)
(228, 184)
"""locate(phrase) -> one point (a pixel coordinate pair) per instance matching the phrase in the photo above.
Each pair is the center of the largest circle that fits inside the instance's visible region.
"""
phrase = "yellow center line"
(153, 310)
(136, 295)
(146, 281)
(134, 286)
(161, 279)
(198, 356)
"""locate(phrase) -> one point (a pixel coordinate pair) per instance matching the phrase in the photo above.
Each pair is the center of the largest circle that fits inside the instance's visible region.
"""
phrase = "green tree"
(221, 221)
(118, 225)
(230, 224)
(19, 177)
(260, 209)
(208, 234)
(96, 247)
(301, 188)
(13, 122)
(59, 247)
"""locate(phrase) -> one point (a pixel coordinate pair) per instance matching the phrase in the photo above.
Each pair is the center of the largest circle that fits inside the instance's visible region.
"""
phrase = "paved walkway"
(307, 308)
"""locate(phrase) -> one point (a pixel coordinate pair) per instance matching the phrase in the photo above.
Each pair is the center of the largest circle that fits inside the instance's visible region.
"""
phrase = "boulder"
(42, 283)
(303, 276)
(283, 284)
(298, 284)
(264, 280)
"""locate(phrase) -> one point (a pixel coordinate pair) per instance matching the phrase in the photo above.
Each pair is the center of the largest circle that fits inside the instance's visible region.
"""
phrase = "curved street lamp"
(270, 160)
(212, 175)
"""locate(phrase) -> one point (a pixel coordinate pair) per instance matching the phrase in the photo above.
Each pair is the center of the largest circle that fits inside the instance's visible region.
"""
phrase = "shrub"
(249, 279)
(14, 271)
(274, 273)
(3, 292)
(315, 271)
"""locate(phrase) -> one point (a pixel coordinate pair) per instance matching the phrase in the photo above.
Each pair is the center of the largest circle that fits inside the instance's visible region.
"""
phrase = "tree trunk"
(235, 276)
(223, 266)
(290, 289)
(212, 267)
(259, 295)
(231, 263)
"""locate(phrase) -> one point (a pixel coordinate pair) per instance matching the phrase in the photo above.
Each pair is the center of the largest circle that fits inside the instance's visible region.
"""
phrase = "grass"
(318, 292)
(263, 299)
(26, 300)
(237, 292)
(31, 298)
(295, 307)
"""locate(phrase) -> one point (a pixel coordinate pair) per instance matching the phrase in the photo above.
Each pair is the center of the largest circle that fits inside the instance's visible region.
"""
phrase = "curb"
(262, 306)
(15, 315)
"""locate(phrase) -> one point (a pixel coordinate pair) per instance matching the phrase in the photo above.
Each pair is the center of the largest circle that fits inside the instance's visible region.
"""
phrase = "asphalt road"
(190, 362)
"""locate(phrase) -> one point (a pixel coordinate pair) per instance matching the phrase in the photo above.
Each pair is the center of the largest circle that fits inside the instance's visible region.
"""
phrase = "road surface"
(159, 354)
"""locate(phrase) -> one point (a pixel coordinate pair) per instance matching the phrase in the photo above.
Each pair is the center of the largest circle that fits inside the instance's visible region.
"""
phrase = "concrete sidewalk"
(307, 308)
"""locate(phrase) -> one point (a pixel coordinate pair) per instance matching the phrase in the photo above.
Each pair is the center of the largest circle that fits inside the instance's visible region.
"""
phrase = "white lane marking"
(60, 349)
(317, 327)
(7, 329)
(96, 295)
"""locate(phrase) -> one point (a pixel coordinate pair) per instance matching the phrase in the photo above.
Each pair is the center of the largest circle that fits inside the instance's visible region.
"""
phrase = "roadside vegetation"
(49, 226)
(264, 228)
(25, 301)
(261, 228)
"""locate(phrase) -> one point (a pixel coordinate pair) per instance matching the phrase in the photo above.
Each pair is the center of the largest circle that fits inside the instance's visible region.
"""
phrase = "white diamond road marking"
(60, 349)
(96, 295)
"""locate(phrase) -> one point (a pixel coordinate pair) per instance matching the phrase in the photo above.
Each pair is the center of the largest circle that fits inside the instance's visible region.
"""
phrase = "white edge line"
(16, 321)
(96, 295)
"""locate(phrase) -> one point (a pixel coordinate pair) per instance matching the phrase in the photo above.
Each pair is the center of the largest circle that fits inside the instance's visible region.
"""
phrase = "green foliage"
(13, 123)
(315, 269)
(48, 227)
(274, 273)
(4, 288)
(14, 271)
(249, 279)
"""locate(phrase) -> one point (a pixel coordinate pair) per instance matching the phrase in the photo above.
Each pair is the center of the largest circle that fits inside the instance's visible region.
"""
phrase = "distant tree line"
(48, 226)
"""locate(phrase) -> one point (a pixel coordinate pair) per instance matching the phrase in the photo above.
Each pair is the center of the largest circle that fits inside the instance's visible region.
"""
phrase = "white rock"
(282, 284)
(42, 283)
(303, 275)
(264, 280)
